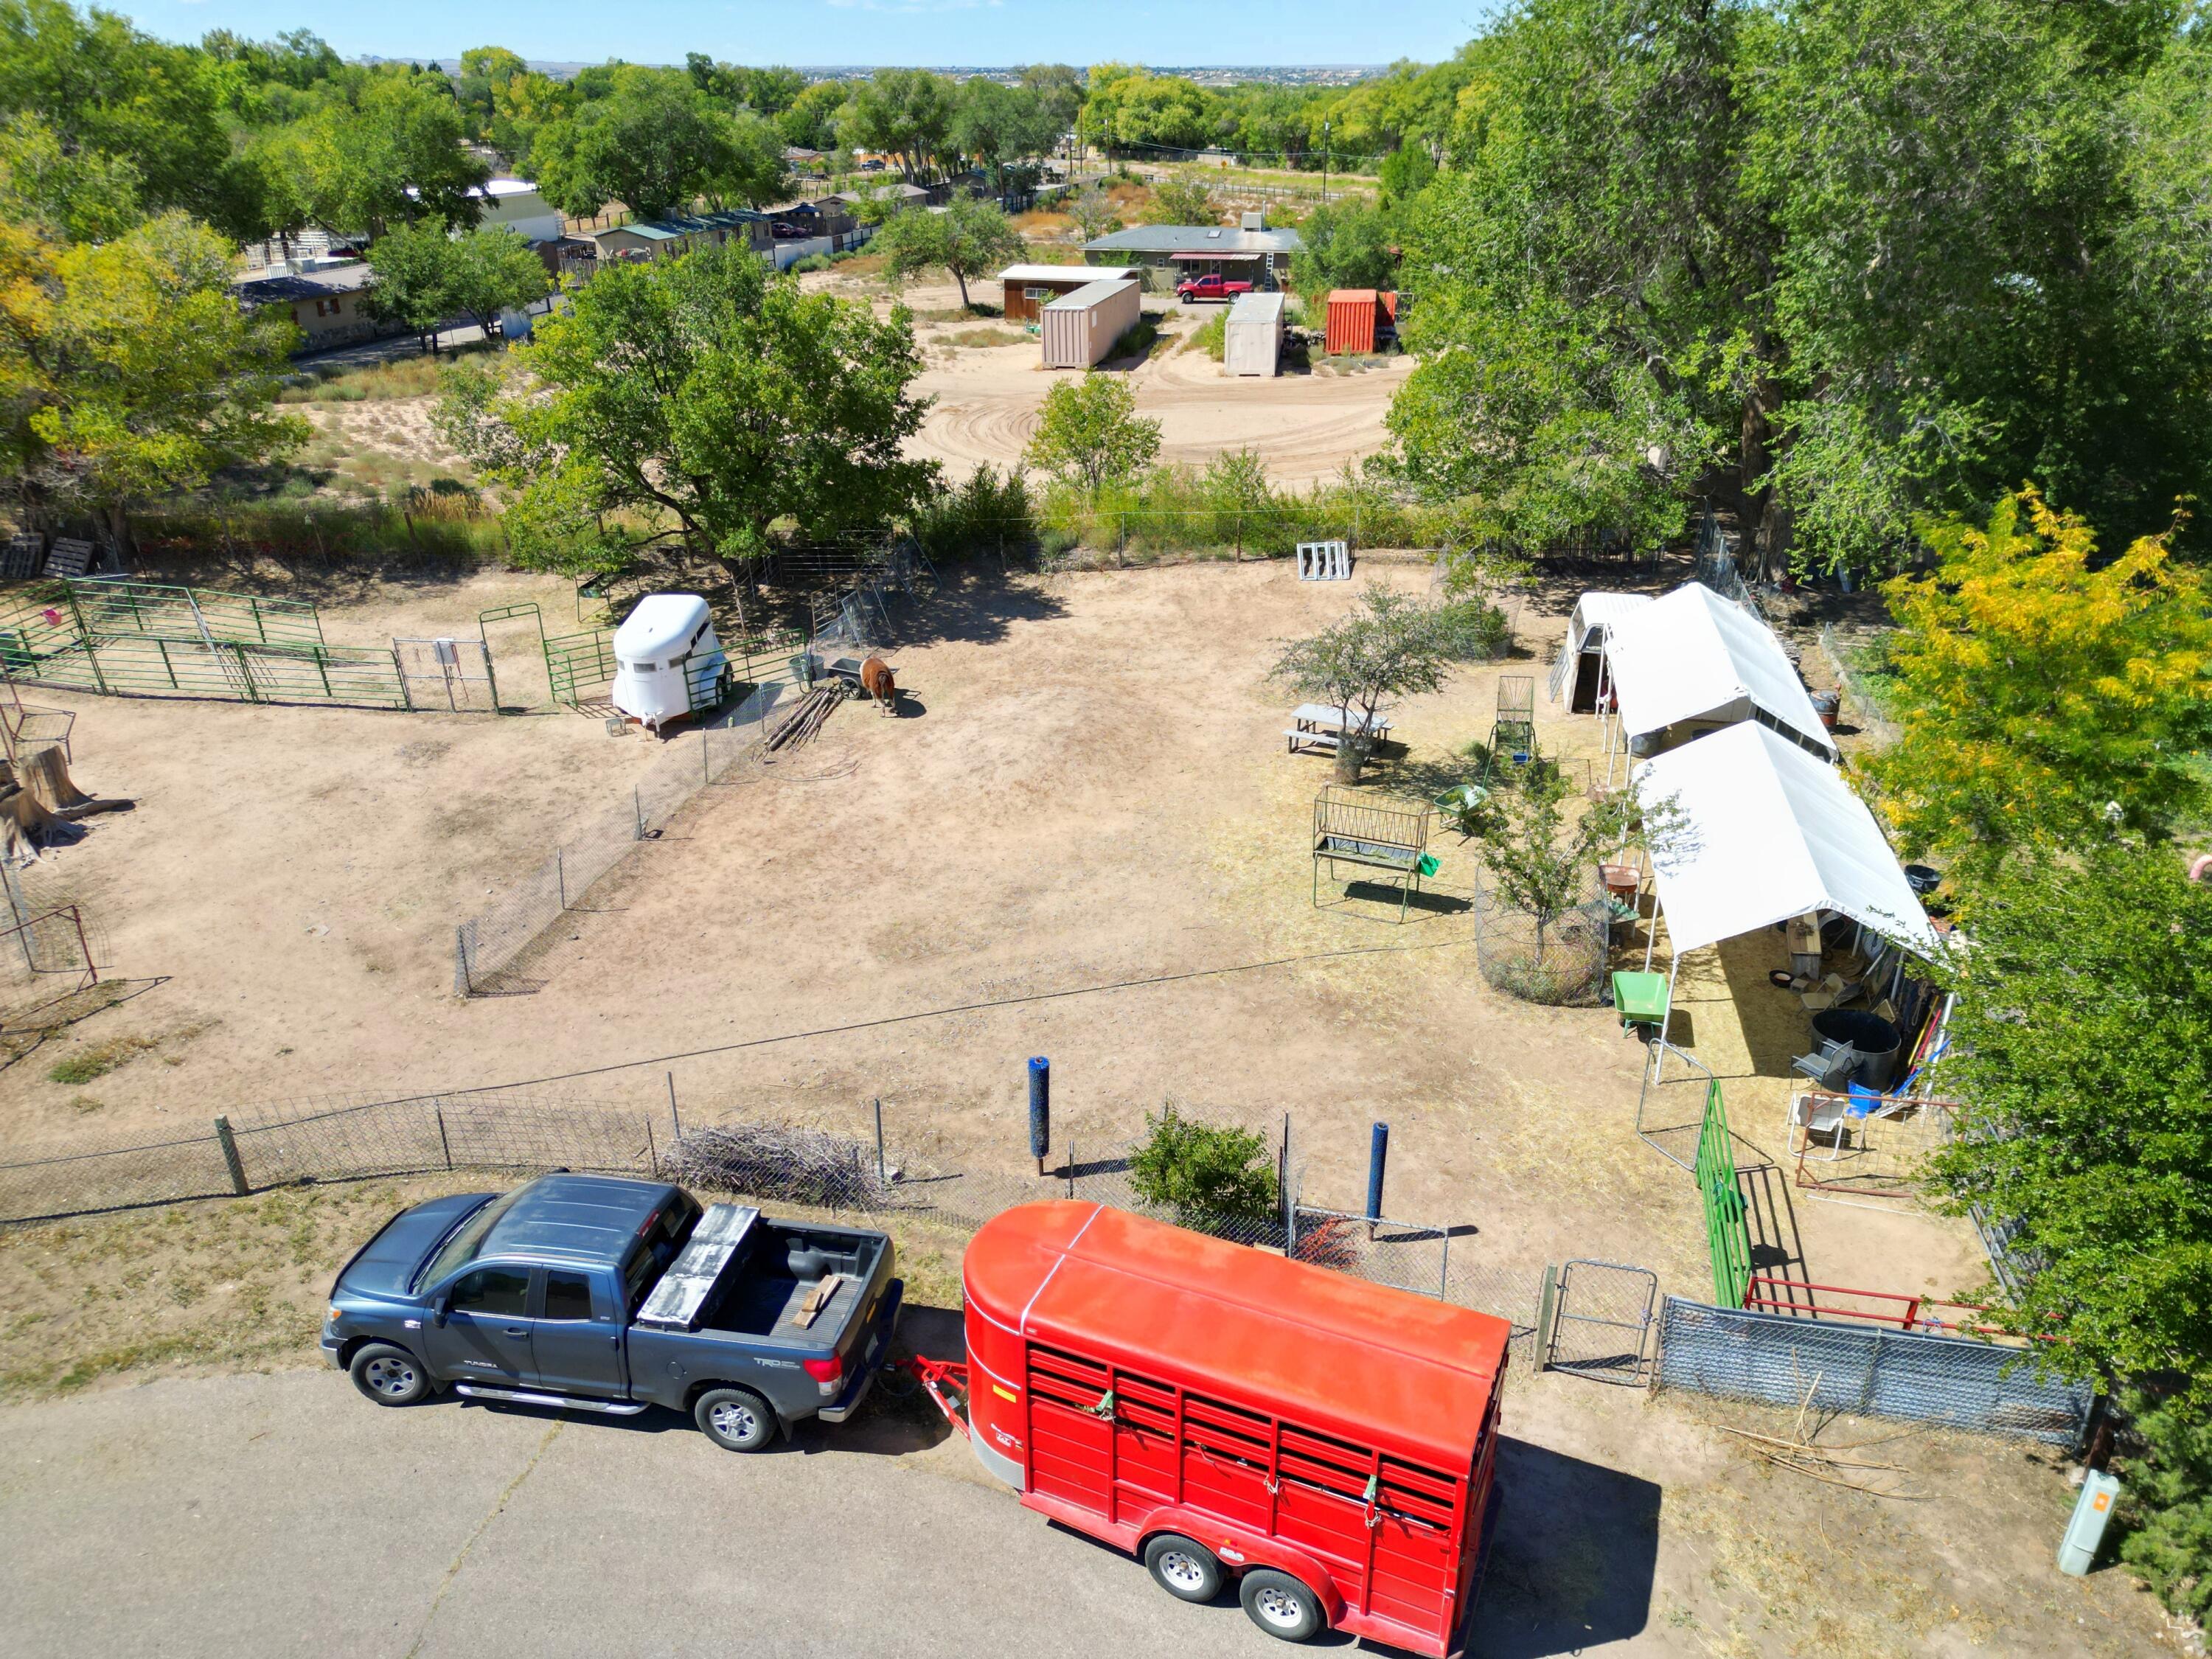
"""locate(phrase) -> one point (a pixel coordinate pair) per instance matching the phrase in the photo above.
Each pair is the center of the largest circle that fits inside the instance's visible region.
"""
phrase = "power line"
(956, 1008)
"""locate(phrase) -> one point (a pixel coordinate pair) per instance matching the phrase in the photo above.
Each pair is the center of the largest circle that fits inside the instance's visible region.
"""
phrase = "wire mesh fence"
(537, 1128)
(1782, 1360)
(1559, 960)
(496, 952)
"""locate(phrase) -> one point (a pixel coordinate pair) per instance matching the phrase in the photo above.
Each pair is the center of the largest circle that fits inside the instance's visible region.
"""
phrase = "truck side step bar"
(559, 1402)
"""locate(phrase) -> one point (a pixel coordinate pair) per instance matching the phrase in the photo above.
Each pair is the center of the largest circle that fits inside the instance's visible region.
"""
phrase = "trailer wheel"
(1279, 1605)
(736, 1419)
(1185, 1570)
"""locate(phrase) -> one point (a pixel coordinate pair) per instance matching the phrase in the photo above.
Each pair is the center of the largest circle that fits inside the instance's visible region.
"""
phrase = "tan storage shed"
(1081, 329)
(1253, 338)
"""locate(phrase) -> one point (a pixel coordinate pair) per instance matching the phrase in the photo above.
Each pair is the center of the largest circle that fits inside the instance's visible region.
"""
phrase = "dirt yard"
(1087, 793)
(1307, 426)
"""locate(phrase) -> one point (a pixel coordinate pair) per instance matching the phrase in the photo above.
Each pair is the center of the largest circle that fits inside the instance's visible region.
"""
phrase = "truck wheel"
(1279, 1605)
(390, 1376)
(736, 1419)
(1185, 1570)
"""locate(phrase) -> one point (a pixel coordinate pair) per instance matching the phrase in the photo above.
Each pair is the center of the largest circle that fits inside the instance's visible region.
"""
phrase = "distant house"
(324, 304)
(679, 234)
(515, 204)
(1251, 253)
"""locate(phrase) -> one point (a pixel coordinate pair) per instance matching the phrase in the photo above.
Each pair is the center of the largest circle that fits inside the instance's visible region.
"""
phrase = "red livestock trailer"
(1223, 1412)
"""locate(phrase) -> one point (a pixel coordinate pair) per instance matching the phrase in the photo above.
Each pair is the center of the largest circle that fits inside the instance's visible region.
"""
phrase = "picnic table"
(1323, 726)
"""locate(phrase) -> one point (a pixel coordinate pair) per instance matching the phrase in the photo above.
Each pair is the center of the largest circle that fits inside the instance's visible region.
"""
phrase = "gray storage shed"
(1253, 338)
(1080, 328)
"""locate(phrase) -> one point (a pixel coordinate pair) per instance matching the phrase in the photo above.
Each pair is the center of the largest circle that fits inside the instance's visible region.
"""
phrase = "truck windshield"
(461, 1247)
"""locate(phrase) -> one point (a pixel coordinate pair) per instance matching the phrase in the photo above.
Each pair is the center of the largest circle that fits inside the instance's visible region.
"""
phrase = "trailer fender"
(1241, 1549)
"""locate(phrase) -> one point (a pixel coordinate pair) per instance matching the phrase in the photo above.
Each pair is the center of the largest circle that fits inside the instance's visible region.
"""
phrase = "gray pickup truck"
(600, 1294)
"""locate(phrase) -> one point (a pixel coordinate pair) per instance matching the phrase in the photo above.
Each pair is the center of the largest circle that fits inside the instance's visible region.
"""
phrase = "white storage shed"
(1578, 677)
(1253, 336)
(668, 662)
(1081, 328)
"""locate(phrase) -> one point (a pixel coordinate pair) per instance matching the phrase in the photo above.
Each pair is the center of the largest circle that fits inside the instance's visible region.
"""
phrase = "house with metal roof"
(680, 233)
(1250, 252)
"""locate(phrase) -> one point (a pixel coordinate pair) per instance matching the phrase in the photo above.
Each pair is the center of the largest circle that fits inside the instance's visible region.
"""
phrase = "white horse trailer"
(668, 663)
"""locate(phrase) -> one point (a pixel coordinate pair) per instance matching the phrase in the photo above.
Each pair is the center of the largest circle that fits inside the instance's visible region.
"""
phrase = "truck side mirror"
(438, 1308)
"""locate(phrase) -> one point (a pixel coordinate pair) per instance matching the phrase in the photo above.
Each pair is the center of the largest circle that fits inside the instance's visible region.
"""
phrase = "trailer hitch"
(947, 1380)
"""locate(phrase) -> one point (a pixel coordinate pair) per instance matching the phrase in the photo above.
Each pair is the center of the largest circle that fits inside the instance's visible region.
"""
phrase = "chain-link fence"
(1559, 960)
(1865, 1370)
(535, 1128)
(497, 952)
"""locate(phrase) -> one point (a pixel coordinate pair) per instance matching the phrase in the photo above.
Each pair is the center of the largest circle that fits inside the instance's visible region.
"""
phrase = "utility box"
(1080, 328)
(2085, 1531)
(1252, 339)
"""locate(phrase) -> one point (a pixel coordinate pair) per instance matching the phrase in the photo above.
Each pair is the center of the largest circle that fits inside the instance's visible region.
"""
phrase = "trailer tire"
(736, 1419)
(1280, 1605)
(1184, 1569)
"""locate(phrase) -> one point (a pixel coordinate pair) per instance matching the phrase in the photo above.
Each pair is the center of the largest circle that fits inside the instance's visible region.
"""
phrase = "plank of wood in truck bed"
(823, 1294)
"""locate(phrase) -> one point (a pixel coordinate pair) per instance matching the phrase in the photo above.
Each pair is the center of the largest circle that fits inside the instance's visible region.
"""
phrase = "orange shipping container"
(1351, 320)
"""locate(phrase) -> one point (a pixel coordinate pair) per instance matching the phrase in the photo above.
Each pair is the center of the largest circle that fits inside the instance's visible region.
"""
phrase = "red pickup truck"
(1210, 288)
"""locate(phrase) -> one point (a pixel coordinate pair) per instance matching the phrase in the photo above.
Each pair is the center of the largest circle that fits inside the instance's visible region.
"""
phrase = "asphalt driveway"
(282, 1514)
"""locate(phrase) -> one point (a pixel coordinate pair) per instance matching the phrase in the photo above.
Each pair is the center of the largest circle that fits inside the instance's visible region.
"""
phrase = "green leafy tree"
(698, 400)
(85, 196)
(490, 271)
(1347, 245)
(1405, 174)
(971, 238)
(1090, 432)
(999, 125)
(2047, 695)
(412, 284)
(906, 114)
(1179, 200)
(1203, 1173)
(392, 153)
(2081, 1053)
(1387, 645)
(128, 371)
(655, 144)
(810, 122)
(102, 87)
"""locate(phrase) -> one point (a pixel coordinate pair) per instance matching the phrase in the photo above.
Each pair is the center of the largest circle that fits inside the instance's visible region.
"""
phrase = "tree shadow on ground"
(975, 604)
(1572, 1561)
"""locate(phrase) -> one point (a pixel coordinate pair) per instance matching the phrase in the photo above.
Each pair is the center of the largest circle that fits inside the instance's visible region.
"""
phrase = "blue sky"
(813, 32)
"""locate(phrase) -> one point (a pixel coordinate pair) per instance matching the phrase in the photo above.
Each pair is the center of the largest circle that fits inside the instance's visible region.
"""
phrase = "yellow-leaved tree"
(2047, 697)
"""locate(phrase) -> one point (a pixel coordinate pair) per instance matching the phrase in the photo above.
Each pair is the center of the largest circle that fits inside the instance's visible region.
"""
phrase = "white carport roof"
(1694, 655)
(1770, 832)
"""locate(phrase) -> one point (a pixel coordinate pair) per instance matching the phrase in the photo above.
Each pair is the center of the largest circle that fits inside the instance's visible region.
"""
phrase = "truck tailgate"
(868, 1355)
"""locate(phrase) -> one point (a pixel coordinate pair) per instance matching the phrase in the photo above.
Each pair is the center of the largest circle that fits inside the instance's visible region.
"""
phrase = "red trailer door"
(1071, 1431)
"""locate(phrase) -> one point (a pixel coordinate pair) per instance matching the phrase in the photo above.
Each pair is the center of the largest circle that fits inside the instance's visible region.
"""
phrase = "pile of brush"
(782, 1161)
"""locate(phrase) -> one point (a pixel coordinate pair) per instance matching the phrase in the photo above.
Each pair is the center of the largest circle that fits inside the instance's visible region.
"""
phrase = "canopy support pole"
(1667, 1016)
(1651, 933)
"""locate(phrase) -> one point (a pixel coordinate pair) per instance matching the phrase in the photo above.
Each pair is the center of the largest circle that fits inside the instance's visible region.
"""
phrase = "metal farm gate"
(445, 673)
(1600, 1321)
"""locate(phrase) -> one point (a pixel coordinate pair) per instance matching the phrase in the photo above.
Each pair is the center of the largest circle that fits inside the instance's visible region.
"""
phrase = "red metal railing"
(1769, 1293)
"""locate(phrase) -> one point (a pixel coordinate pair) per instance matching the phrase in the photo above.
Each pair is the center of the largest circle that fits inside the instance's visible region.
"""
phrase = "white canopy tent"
(1767, 832)
(1579, 685)
(1695, 658)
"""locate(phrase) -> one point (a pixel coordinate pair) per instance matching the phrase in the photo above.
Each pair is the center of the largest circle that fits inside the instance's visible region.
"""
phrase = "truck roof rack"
(683, 1290)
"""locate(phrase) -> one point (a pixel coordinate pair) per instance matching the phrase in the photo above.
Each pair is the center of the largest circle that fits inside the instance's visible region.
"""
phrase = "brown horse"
(876, 680)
